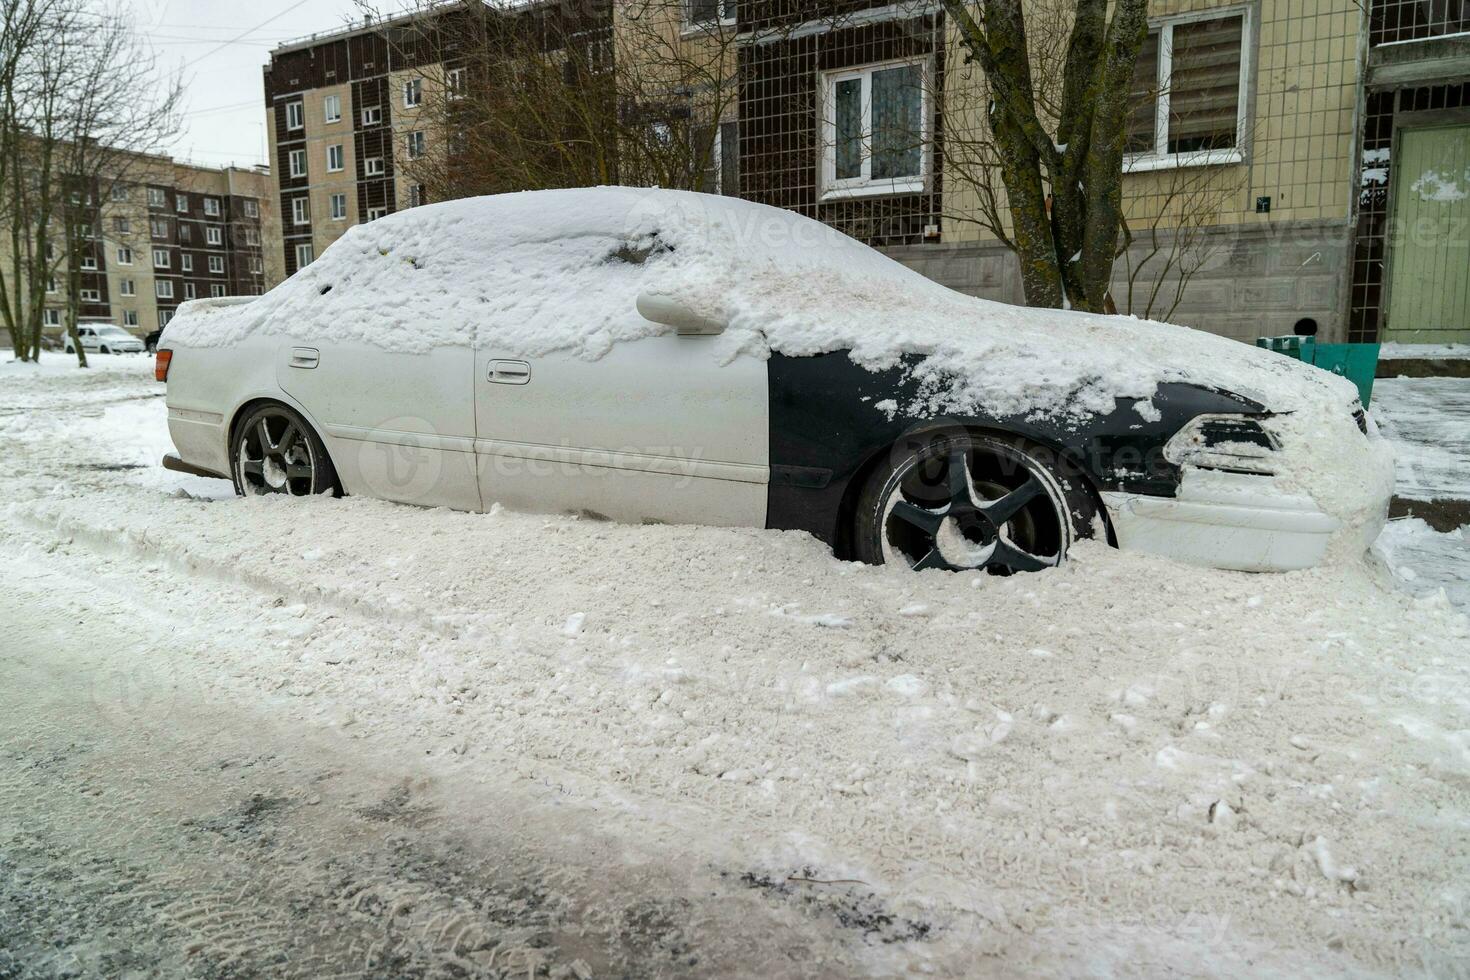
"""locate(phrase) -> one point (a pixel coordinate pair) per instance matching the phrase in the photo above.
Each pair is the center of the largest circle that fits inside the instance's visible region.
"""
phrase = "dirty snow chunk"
(907, 685)
(850, 686)
(1330, 869)
(1147, 410)
(915, 609)
(573, 625)
(830, 620)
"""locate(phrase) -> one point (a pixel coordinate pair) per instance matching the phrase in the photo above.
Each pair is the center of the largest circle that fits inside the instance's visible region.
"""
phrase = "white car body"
(658, 425)
(104, 337)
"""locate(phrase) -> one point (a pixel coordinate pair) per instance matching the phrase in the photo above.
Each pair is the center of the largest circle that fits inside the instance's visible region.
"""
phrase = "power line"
(243, 34)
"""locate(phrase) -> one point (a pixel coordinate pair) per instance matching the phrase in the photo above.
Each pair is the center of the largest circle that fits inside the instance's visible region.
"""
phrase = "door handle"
(304, 357)
(509, 372)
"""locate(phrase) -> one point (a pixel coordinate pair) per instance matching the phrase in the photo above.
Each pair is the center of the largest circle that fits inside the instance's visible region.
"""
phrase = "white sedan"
(662, 356)
(103, 338)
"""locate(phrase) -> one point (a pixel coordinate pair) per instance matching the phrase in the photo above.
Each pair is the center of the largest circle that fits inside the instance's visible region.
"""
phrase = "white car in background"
(669, 357)
(103, 338)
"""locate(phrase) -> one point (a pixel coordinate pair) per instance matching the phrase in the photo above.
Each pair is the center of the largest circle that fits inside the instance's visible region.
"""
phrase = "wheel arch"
(247, 406)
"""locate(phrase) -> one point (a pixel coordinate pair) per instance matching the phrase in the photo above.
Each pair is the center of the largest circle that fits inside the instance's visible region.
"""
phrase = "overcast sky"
(222, 46)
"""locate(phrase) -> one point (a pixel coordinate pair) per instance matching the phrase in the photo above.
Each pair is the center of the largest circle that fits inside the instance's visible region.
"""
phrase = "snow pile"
(1120, 766)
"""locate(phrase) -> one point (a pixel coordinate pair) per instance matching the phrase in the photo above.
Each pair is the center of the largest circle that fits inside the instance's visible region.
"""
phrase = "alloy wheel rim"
(961, 524)
(274, 456)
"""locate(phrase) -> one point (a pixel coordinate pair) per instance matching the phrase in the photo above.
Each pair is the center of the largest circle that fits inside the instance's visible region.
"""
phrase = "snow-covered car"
(103, 338)
(663, 356)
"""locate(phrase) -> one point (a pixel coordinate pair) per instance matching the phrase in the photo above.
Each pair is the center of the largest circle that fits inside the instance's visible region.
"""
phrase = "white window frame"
(1160, 158)
(454, 83)
(119, 192)
(216, 290)
(186, 262)
(130, 318)
(157, 197)
(190, 291)
(300, 211)
(332, 108)
(306, 250)
(163, 289)
(373, 167)
(864, 186)
(160, 258)
(335, 158)
(295, 115)
(728, 20)
(51, 318)
(127, 287)
(124, 255)
(181, 203)
(296, 160)
(339, 213)
(416, 195)
(217, 265)
(416, 144)
(51, 284)
(121, 225)
(373, 214)
(158, 228)
(211, 207)
(372, 115)
(89, 295)
(413, 93)
(163, 317)
(252, 210)
(252, 235)
(214, 235)
(88, 263)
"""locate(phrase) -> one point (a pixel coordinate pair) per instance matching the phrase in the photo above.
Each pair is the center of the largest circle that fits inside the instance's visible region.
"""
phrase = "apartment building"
(169, 232)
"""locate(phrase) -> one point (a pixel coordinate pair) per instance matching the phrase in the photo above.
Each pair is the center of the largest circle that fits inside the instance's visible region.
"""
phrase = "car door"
(663, 429)
(398, 426)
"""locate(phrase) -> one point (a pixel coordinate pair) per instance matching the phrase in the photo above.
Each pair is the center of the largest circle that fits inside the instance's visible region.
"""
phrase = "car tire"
(103, 350)
(1018, 508)
(274, 450)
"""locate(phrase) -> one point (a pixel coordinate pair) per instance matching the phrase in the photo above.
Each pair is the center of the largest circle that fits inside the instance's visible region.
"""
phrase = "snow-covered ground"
(291, 738)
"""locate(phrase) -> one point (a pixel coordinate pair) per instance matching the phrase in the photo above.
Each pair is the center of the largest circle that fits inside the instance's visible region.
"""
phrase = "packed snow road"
(277, 737)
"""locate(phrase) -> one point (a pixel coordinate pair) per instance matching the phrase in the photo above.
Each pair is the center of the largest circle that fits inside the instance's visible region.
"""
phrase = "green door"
(1429, 238)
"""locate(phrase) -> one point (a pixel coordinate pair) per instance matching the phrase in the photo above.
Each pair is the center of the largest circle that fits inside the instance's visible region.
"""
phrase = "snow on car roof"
(529, 273)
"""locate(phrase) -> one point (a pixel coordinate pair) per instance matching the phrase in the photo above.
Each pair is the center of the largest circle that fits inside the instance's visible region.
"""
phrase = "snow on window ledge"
(875, 188)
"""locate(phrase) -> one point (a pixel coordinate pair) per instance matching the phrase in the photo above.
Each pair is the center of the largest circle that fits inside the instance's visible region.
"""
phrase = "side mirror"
(674, 312)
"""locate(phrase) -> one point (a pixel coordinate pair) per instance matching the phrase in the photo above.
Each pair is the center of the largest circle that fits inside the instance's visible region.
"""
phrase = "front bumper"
(1232, 521)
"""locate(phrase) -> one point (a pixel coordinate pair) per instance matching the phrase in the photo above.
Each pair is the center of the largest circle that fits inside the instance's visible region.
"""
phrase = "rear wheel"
(972, 503)
(274, 450)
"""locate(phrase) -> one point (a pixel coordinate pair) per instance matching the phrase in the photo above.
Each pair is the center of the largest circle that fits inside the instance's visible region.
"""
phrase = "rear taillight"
(160, 364)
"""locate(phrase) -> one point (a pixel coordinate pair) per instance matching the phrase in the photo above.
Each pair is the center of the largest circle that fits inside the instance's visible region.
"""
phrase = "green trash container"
(1356, 362)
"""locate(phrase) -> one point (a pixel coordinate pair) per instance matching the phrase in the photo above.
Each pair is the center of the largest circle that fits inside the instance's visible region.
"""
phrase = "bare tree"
(1058, 145)
(83, 106)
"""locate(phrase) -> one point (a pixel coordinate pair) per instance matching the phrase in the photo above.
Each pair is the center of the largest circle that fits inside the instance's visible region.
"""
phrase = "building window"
(1396, 21)
(51, 284)
(181, 203)
(164, 289)
(418, 195)
(298, 163)
(216, 290)
(52, 318)
(159, 228)
(127, 287)
(211, 206)
(413, 92)
(372, 115)
(157, 197)
(121, 225)
(255, 266)
(90, 296)
(119, 192)
(186, 262)
(301, 210)
(416, 144)
(294, 115)
(130, 318)
(186, 233)
(89, 263)
(704, 12)
(190, 291)
(373, 214)
(164, 316)
(217, 265)
(1189, 93)
(252, 210)
(454, 82)
(252, 236)
(339, 207)
(334, 158)
(304, 256)
(160, 258)
(875, 127)
(332, 109)
(372, 167)
(124, 255)
(722, 171)
(214, 235)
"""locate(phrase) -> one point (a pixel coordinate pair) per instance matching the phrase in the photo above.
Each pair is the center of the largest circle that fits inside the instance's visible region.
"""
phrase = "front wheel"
(970, 503)
(274, 450)
(103, 350)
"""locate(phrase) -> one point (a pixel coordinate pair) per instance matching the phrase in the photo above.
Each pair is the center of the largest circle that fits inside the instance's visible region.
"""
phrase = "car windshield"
(113, 332)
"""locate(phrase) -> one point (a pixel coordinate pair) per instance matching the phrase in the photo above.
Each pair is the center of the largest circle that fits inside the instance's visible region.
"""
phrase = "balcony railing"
(1396, 21)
